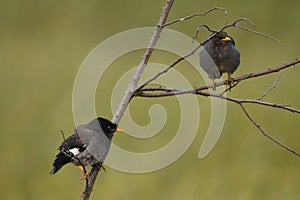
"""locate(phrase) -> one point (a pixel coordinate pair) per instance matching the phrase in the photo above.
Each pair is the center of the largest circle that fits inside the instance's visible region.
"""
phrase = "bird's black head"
(107, 126)
(223, 38)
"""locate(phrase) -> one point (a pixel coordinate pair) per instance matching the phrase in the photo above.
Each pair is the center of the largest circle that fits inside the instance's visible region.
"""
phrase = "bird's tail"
(60, 160)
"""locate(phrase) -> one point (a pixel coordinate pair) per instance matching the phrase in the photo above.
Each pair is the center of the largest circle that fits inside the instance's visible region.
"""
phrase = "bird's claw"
(100, 166)
(229, 82)
(85, 176)
(213, 85)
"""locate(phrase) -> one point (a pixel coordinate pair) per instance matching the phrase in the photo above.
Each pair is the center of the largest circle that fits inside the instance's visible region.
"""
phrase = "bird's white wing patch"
(74, 151)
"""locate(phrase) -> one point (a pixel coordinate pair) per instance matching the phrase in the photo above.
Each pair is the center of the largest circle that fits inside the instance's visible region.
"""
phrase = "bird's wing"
(207, 63)
(74, 141)
(71, 147)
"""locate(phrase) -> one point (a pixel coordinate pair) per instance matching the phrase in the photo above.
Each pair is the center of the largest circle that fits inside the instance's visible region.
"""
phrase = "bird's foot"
(229, 82)
(85, 174)
(213, 85)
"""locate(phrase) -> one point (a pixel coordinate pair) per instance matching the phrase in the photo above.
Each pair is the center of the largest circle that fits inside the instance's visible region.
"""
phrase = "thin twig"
(266, 134)
(63, 135)
(199, 28)
(233, 24)
(250, 101)
(168, 68)
(194, 15)
(236, 24)
(230, 87)
(241, 101)
(261, 34)
(269, 89)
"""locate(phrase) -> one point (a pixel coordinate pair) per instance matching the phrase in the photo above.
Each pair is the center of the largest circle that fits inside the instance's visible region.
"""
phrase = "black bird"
(88, 145)
(219, 55)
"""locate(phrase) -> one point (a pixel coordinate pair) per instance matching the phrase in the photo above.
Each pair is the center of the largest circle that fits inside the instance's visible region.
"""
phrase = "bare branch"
(229, 88)
(266, 134)
(199, 28)
(174, 91)
(171, 92)
(270, 88)
(132, 87)
(241, 101)
(236, 24)
(159, 88)
(261, 34)
(250, 101)
(231, 99)
(233, 24)
(168, 68)
(194, 15)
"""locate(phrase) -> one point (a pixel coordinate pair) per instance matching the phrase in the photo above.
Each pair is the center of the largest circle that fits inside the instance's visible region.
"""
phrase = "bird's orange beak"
(119, 130)
(226, 39)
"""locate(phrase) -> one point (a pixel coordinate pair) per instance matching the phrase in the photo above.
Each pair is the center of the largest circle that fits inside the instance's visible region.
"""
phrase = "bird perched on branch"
(88, 145)
(219, 55)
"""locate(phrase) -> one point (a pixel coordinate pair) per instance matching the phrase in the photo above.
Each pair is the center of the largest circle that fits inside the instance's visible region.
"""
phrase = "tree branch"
(269, 89)
(194, 15)
(242, 101)
(171, 92)
(132, 87)
(162, 92)
(266, 134)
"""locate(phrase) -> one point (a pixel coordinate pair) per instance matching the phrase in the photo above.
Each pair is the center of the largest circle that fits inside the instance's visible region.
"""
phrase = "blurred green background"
(43, 43)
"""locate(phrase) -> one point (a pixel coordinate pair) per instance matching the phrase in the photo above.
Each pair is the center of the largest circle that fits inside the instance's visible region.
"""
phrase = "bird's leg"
(213, 85)
(229, 81)
(85, 172)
